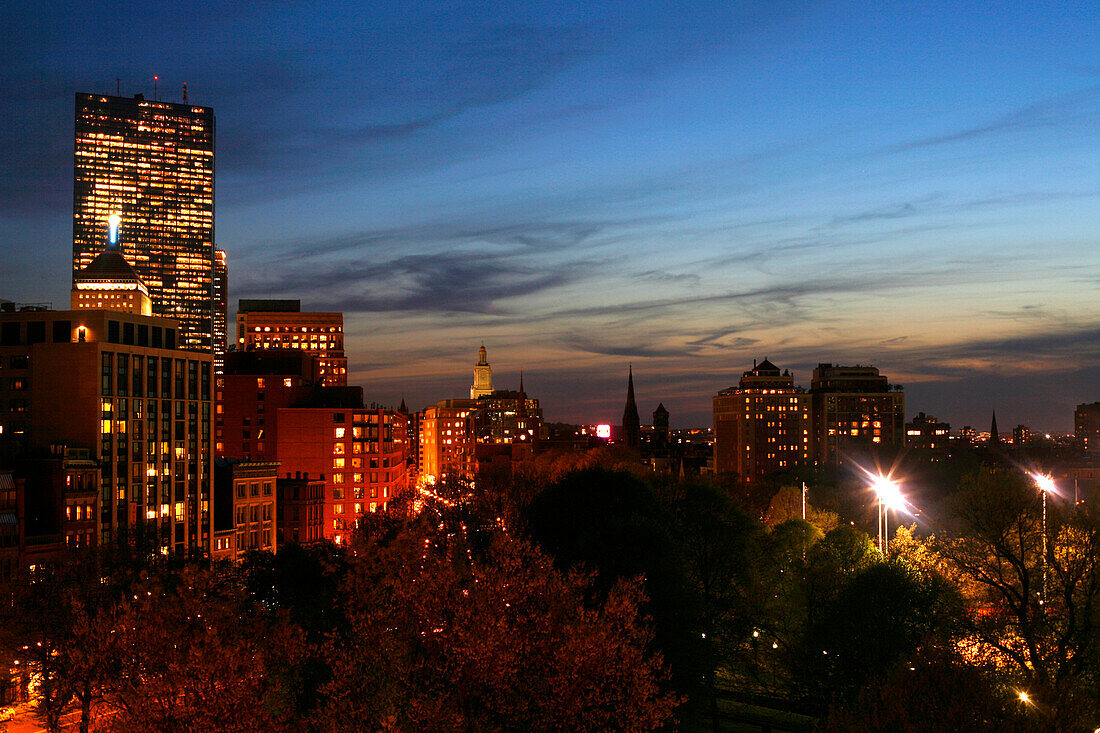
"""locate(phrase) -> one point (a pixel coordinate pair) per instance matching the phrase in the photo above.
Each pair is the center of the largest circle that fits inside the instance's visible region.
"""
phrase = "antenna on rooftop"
(155, 80)
(185, 92)
(118, 87)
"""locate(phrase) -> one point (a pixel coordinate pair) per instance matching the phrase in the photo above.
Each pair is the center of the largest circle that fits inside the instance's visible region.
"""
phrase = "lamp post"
(1046, 486)
(889, 497)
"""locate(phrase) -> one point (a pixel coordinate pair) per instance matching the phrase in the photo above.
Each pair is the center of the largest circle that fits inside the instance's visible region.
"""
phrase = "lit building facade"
(118, 385)
(281, 324)
(1086, 426)
(926, 433)
(855, 412)
(152, 164)
(762, 426)
(110, 282)
(248, 397)
(244, 508)
(447, 442)
(221, 309)
(358, 452)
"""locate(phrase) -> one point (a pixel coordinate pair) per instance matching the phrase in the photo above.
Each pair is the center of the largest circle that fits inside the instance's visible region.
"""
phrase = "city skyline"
(681, 189)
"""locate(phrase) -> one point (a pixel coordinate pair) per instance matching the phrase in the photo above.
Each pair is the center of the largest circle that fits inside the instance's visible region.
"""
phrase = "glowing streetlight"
(1024, 697)
(1046, 486)
(889, 496)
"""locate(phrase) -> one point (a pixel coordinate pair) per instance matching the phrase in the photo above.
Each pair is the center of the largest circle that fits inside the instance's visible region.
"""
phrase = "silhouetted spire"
(403, 409)
(632, 424)
(994, 436)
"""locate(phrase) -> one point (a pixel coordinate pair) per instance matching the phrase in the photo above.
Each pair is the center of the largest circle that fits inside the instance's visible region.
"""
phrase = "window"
(62, 331)
(36, 332)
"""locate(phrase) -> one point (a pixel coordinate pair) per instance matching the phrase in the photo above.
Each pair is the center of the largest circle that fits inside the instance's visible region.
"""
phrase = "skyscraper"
(151, 164)
(221, 309)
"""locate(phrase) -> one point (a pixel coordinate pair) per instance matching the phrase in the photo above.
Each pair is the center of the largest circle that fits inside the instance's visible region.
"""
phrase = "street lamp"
(889, 497)
(1046, 486)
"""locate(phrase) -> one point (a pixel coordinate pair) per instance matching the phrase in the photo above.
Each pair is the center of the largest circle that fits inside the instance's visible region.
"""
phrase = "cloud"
(1061, 109)
(444, 282)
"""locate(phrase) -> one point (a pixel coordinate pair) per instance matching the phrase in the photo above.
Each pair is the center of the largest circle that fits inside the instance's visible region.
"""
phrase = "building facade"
(447, 442)
(281, 324)
(244, 508)
(119, 386)
(927, 434)
(855, 412)
(763, 425)
(151, 164)
(248, 397)
(301, 509)
(358, 452)
(221, 309)
(1086, 426)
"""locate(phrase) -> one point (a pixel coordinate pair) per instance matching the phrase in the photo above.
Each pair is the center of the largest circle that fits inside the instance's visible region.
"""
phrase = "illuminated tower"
(152, 163)
(110, 282)
(483, 376)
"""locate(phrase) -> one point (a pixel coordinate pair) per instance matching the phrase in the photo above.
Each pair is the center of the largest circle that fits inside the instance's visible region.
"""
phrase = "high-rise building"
(483, 376)
(762, 425)
(448, 447)
(855, 411)
(1086, 426)
(151, 164)
(281, 324)
(117, 385)
(221, 309)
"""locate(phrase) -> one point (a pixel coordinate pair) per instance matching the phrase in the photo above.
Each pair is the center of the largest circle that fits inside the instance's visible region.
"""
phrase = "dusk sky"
(680, 186)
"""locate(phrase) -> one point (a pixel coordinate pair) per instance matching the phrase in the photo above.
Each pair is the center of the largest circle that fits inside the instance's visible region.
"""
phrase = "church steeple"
(632, 424)
(994, 436)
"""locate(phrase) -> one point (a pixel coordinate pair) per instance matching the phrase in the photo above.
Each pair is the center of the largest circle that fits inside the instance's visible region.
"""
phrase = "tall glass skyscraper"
(152, 164)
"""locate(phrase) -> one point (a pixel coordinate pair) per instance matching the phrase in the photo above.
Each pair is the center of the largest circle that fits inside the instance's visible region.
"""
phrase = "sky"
(684, 187)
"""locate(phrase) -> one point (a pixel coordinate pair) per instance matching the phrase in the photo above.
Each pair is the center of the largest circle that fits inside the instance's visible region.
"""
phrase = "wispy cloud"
(1060, 109)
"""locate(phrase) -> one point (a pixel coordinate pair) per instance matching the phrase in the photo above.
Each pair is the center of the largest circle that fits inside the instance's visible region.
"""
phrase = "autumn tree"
(193, 652)
(1045, 631)
(444, 638)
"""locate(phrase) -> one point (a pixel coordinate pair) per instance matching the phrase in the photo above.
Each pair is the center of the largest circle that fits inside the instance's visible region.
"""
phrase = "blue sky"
(912, 185)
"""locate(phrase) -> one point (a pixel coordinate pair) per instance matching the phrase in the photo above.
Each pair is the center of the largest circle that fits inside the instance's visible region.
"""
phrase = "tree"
(614, 525)
(994, 553)
(443, 638)
(931, 693)
(786, 504)
(192, 652)
(883, 614)
(723, 556)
